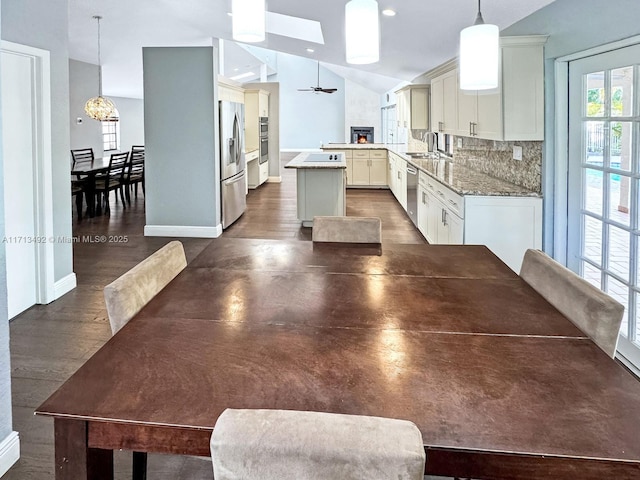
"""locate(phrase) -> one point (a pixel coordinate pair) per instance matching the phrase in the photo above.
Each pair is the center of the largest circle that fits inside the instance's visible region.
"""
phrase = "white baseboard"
(9, 452)
(65, 285)
(277, 179)
(182, 231)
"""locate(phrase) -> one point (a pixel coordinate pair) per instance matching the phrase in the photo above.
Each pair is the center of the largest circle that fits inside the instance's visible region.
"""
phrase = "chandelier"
(99, 108)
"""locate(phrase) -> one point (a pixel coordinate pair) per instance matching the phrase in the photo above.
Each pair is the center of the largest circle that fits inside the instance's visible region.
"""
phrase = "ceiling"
(421, 36)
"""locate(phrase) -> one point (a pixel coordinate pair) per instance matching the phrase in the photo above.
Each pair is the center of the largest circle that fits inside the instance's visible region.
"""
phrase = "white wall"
(5, 367)
(361, 109)
(307, 119)
(83, 85)
(131, 111)
(44, 24)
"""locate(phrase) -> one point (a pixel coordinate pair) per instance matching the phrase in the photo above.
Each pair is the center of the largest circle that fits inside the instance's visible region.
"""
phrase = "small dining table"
(500, 384)
(91, 169)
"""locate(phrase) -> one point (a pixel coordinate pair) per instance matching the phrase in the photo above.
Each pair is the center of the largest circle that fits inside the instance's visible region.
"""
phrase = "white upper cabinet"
(412, 107)
(444, 102)
(514, 111)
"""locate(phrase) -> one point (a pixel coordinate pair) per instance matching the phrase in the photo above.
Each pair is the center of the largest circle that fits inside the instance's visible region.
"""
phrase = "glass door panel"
(604, 181)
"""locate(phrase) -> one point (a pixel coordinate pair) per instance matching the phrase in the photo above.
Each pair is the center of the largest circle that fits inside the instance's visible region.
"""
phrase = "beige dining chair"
(129, 293)
(362, 230)
(594, 312)
(294, 445)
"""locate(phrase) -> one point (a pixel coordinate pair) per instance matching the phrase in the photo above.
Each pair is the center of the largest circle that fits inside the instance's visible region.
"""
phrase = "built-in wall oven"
(264, 140)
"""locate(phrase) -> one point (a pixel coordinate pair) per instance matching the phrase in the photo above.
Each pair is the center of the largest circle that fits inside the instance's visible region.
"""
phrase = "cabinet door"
(263, 104)
(450, 102)
(489, 116)
(454, 228)
(360, 171)
(419, 108)
(378, 171)
(437, 104)
(434, 218)
(423, 210)
(349, 171)
(467, 112)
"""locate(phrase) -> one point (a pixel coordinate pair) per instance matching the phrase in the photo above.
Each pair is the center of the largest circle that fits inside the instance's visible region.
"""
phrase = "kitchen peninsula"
(321, 185)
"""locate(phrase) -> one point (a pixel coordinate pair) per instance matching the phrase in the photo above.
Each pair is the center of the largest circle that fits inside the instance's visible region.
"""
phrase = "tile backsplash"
(493, 158)
(496, 159)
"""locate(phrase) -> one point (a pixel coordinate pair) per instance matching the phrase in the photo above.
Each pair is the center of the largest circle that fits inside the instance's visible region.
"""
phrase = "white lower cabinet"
(365, 167)
(507, 225)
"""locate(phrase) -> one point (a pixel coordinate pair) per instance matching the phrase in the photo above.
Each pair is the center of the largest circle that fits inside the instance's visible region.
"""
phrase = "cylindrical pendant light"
(248, 20)
(479, 55)
(362, 29)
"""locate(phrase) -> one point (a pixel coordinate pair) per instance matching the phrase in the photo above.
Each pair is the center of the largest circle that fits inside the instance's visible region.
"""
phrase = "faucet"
(431, 139)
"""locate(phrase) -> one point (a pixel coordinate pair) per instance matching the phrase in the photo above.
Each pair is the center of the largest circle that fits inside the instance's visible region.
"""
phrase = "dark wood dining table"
(500, 384)
(90, 170)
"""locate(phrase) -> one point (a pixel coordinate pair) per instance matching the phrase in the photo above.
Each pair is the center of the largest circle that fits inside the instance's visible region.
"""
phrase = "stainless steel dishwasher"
(412, 193)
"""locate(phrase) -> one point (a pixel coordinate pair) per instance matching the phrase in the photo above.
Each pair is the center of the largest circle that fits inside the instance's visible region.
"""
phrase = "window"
(111, 132)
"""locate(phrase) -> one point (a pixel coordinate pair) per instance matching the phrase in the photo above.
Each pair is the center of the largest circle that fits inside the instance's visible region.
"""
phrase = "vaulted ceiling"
(422, 35)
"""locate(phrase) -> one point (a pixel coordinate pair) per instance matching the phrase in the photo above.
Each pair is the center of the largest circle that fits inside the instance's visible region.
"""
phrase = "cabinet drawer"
(423, 180)
(449, 198)
(361, 154)
(377, 154)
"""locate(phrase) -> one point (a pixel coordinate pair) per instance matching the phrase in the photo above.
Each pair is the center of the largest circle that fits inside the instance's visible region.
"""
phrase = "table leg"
(74, 459)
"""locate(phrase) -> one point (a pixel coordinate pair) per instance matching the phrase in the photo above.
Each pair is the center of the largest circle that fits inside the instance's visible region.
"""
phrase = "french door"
(604, 178)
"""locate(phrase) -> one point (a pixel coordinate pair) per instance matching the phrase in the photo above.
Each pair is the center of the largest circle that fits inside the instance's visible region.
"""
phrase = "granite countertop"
(303, 160)
(463, 180)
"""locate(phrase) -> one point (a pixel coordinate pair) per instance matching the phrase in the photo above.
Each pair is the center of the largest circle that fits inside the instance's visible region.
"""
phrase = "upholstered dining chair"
(129, 293)
(594, 312)
(361, 230)
(294, 445)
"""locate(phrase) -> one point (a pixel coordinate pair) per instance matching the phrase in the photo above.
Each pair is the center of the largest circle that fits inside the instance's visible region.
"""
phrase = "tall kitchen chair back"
(128, 294)
(293, 445)
(597, 314)
(361, 230)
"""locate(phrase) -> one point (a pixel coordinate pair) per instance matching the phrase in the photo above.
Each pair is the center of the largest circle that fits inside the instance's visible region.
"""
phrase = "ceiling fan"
(318, 89)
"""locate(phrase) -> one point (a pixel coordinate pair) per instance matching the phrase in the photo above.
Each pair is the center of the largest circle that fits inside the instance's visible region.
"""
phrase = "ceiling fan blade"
(328, 90)
(306, 89)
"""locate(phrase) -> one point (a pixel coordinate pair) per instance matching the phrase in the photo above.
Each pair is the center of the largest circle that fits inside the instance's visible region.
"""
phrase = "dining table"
(499, 383)
(90, 170)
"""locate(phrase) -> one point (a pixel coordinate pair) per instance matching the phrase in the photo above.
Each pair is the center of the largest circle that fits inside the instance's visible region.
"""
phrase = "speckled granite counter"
(306, 160)
(466, 181)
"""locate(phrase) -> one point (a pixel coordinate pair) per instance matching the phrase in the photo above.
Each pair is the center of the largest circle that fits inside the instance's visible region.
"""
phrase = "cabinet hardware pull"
(453, 203)
(445, 217)
(471, 129)
(442, 215)
(440, 193)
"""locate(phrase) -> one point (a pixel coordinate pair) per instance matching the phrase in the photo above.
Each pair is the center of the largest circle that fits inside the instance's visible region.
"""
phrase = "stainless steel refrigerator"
(233, 180)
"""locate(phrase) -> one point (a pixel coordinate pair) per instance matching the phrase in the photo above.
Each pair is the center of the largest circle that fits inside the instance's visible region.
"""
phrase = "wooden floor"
(50, 342)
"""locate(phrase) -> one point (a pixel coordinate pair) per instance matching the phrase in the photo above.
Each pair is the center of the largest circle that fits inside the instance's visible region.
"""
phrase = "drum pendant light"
(99, 108)
(362, 31)
(248, 20)
(479, 55)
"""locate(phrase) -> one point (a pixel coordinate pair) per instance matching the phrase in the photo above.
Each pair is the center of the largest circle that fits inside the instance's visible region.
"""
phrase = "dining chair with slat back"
(135, 172)
(113, 180)
(79, 185)
(289, 445)
(594, 312)
(129, 293)
(358, 230)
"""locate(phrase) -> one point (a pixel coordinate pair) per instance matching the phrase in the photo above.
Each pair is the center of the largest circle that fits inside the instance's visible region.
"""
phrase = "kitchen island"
(321, 185)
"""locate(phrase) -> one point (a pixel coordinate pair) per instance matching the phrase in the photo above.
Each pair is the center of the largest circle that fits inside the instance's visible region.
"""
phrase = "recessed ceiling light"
(236, 69)
(243, 75)
(310, 50)
(230, 14)
(387, 12)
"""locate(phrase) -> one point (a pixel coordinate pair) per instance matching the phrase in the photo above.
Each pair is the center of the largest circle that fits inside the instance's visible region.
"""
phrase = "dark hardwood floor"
(50, 342)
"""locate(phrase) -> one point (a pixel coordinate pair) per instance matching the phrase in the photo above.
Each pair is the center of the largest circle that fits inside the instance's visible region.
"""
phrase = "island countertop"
(318, 160)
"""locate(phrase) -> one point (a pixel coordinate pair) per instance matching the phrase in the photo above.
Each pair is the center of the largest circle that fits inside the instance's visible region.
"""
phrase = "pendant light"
(362, 31)
(99, 108)
(248, 20)
(479, 55)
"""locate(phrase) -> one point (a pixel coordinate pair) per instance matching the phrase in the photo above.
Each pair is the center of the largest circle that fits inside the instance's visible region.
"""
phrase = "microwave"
(264, 126)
